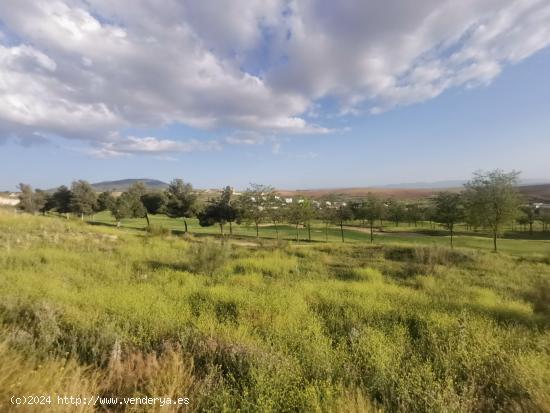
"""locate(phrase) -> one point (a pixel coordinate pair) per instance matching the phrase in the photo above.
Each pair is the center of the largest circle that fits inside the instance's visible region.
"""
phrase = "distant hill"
(124, 184)
(357, 193)
(536, 193)
(533, 193)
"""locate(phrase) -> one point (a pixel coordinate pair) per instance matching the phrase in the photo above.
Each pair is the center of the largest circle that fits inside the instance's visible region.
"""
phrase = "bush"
(158, 230)
(207, 257)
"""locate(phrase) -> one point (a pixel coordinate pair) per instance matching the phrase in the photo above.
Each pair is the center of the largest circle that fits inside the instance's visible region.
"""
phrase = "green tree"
(294, 216)
(448, 210)
(42, 199)
(395, 211)
(326, 215)
(253, 203)
(133, 199)
(275, 211)
(372, 210)
(530, 215)
(61, 200)
(83, 198)
(342, 214)
(413, 213)
(543, 215)
(493, 199)
(220, 211)
(121, 208)
(154, 203)
(181, 200)
(308, 214)
(104, 201)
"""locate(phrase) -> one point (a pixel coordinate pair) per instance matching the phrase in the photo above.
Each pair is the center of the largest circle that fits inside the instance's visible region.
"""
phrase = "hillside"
(536, 193)
(235, 326)
(347, 193)
(124, 184)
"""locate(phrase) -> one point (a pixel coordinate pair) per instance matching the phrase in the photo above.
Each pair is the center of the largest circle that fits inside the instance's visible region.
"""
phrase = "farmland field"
(404, 324)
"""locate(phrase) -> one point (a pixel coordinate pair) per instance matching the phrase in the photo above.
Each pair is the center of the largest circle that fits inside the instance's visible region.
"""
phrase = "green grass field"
(402, 325)
(517, 243)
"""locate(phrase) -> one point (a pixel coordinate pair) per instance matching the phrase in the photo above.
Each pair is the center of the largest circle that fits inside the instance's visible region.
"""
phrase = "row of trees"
(489, 200)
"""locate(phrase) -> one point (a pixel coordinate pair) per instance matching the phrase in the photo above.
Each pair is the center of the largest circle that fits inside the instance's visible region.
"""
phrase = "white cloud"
(86, 69)
(151, 146)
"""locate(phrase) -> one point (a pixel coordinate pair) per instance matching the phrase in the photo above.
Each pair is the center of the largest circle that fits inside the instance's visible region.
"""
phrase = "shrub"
(158, 230)
(208, 257)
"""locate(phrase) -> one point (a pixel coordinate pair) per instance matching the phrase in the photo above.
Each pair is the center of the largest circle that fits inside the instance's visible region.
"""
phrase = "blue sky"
(257, 100)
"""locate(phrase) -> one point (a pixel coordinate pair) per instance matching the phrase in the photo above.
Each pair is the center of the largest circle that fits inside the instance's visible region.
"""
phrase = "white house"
(11, 199)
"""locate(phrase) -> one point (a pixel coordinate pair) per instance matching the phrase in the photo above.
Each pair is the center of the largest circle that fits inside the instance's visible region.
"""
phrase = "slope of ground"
(274, 327)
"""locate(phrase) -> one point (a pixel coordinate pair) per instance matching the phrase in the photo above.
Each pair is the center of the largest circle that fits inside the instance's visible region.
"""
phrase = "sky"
(295, 94)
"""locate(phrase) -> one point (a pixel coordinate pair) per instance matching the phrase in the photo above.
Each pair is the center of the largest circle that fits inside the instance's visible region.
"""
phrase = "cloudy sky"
(291, 93)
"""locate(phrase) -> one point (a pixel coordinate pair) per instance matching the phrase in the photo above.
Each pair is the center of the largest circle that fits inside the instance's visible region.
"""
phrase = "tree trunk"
(530, 228)
(495, 240)
(276, 230)
(371, 234)
(230, 228)
(309, 232)
(326, 232)
(147, 218)
(342, 231)
(257, 231)
(221, 228)
(297, 234)
(451, 237)
(185, 224)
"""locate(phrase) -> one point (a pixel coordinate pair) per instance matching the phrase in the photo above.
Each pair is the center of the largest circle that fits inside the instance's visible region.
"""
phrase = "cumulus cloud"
(87, 69)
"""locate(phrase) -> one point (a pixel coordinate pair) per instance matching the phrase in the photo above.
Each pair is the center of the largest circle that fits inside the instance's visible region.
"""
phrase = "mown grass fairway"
(325, 327)
(516, 243)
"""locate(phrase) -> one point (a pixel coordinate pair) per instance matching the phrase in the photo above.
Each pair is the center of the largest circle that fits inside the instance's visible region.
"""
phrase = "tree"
(26, 199)
(61, 200)
(220, 211)
(83, 198)
(529, 215)
(105, 200)
(294, 215)
(253, 203)
(372, 210)
(326, 214)
(275, 211)
(42, 200)
(120, 208)
(342, 214)
(308, 213)
(154, 203)
(181, 200)
(448, 210)
(396, 211)
(492, 198)
(413, 213)
(543, 216)
(133, 199)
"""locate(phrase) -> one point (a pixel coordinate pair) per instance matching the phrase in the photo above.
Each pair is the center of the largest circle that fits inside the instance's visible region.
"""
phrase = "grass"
(401, 325)
(516, 243)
